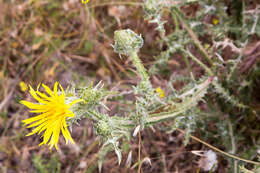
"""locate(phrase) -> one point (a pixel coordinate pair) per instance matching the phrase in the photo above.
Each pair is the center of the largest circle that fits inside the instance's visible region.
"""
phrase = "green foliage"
(213, 24)
(201, 38)
(43, 166)
(229, 98)
(153, 11)
(242, 169)
(211, 21)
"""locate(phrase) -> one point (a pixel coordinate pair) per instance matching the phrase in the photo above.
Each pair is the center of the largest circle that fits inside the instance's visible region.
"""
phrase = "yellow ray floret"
(53, 113)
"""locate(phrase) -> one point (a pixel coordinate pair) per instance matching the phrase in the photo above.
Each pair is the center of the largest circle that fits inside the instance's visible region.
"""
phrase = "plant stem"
(188, 64)
(193, 36)
(181, 108)
(139, 66)
(208, 70)
(139, 152)
(233, 143)
(220, 151)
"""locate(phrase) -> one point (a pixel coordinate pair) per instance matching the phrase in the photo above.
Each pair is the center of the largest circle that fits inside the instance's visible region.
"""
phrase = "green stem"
(181, 107)
(193, 35)
(188, 64)
(139, 153)
(208, 70)
(139, 66)
(155, 119)
(233, 143)
(176, 23)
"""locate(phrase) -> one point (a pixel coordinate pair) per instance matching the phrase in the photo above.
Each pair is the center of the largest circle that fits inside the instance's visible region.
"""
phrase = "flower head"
(52, 114)
(127, 41)
(208, 160)
(84, 1)
(160, 91)
(215, 21)
(23, 86)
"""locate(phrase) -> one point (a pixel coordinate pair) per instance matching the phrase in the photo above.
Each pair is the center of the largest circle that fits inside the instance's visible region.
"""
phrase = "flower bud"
(103, 128)
(152, 7)
(126, 42)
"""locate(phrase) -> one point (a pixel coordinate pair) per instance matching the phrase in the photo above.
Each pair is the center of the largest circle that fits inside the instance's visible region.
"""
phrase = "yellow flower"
(207, 46)
(53, 112)
(23, 86)
(84, 1)
(215, 21)
(160, 92)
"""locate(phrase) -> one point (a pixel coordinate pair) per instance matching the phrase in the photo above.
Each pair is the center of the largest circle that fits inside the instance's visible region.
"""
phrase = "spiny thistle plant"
(61, 109)
(213, 24)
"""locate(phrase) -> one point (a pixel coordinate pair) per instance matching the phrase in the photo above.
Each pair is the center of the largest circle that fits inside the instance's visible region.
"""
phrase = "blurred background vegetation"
(46, 41)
